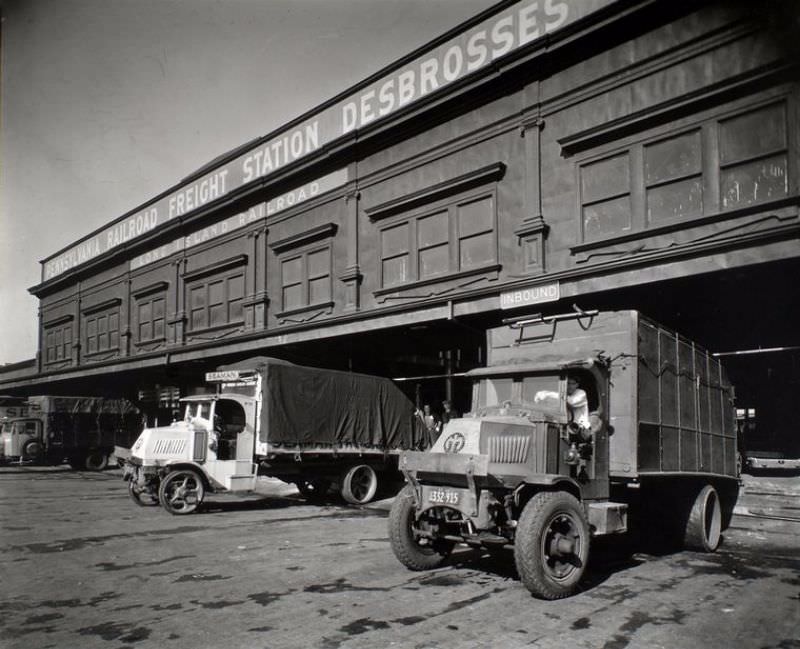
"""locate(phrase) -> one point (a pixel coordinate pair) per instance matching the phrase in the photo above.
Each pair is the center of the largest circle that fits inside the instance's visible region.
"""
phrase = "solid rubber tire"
(704, 525)
(137, 496)
(540, 511)
(347, 485)
(165, 485)
(401, 538)
(96, 460)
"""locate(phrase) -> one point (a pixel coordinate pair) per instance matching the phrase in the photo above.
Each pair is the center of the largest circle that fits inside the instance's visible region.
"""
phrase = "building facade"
(544, 156)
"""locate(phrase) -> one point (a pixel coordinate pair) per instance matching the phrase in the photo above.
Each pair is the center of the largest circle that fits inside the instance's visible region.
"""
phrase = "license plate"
(443, 496)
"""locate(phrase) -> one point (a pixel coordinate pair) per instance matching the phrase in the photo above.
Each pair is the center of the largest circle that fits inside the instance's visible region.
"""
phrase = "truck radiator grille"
(509, 449)
(170, 446)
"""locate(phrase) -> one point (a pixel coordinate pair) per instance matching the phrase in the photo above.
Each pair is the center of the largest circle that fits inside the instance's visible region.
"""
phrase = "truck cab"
(21, 439)
(210, 449)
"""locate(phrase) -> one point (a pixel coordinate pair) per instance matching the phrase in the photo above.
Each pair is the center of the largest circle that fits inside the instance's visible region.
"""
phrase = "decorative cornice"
(150, 288)
(296, 240)
(107, 304)
(440, 190)
(218, 267)
(59, 320)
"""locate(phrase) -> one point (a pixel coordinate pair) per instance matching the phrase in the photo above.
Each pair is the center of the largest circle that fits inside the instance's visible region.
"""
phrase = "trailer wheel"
(32, 450)
(96, 460)
(552, 544)
(314, 489)
(704, 525)
(359, 485)
(181, 492)
(412, 549)
(142, 497)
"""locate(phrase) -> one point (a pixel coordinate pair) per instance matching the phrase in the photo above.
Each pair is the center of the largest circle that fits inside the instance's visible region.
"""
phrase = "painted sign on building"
(530, 295)
(481, 45)
(261, 211)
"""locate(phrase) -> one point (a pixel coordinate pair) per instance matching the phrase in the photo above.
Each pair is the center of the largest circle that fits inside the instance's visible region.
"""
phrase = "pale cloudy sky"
(106, 103)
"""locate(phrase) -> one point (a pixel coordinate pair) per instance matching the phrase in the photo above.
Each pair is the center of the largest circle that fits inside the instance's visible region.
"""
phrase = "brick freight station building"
(600, 153)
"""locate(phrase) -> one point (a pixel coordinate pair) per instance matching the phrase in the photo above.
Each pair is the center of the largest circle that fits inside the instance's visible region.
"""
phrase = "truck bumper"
(786, 464)
(444, 463)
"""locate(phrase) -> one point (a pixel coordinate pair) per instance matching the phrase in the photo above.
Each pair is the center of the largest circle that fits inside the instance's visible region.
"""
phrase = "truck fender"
(534, 483)
(177, 465)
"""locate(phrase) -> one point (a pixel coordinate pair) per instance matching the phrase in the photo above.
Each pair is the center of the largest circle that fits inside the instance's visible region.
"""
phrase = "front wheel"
(141, 495)
(181, 492)
(359, 485)
(413, 541)
(552, 545)
(32, 451)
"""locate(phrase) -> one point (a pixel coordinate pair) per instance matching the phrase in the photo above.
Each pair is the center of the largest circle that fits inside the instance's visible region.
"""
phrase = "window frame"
(303, 253)
(709, 125)
(59, 326)
(411, 218)
(206, 278)
(95, 315)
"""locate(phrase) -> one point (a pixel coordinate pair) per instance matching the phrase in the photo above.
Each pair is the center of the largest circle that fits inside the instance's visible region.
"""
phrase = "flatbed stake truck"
(314, 427)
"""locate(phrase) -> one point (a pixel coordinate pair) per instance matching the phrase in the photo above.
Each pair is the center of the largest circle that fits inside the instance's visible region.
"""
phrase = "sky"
(106, 103)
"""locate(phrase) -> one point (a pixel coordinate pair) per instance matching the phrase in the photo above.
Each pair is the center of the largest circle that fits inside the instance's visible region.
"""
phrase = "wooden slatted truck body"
(658, 433)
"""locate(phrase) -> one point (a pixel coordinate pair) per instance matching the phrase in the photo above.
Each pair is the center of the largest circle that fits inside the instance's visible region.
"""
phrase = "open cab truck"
(518, 472)
(314, 427)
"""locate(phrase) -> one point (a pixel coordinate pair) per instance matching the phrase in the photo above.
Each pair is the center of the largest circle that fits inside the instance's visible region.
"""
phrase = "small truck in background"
(82, 431)
(314, 427)
(657, 446)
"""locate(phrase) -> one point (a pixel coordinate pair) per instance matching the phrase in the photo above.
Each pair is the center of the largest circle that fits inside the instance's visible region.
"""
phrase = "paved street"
(81, 566)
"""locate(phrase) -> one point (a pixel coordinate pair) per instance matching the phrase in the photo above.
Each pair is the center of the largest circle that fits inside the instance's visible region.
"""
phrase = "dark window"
(449, 237)
(671, 179)
(150, 317)
(101, 331)
(216, 301)
(753, 157)
(58, 343)
(306, 278)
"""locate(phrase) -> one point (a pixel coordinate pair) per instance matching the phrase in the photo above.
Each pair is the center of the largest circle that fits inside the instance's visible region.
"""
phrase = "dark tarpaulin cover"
(307, 406)
(89, 420)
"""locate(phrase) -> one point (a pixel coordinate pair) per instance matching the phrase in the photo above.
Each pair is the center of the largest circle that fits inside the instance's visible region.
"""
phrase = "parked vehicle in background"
(82, 431)
(317, 428)
(657, 442)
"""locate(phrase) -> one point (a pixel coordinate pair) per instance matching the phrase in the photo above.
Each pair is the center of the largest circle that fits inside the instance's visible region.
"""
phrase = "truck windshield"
(543, 393)
(201, 409)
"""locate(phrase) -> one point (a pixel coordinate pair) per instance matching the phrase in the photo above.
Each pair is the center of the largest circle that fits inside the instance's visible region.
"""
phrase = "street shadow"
(211, 506)
(607, 557)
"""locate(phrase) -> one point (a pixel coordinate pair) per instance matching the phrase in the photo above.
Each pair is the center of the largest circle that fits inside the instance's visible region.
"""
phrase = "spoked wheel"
(141, 496)
(359, 485)
(181, 492)
(552, 545)
(704, 525)
(413, 540)
(313, 489)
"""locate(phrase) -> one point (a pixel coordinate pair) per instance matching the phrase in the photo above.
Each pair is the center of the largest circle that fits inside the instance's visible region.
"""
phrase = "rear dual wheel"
(704, 525)
(359, 484)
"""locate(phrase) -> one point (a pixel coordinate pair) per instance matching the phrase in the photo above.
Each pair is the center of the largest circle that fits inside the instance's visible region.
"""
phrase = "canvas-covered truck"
(82, 431)
(540, 468)
(314, 427)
